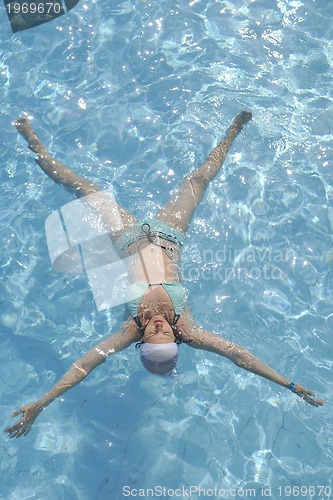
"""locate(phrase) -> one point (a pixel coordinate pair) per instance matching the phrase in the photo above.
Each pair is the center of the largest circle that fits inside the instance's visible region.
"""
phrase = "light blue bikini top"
(136, 291)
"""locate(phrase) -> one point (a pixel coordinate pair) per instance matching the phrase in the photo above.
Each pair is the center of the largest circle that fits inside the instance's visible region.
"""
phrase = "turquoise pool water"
(134, 94)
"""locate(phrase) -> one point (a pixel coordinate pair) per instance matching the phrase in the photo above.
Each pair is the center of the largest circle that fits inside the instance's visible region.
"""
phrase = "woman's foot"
(24, 128)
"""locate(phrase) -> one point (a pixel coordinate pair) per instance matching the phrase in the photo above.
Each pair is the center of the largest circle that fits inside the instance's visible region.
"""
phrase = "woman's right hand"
(23, 426)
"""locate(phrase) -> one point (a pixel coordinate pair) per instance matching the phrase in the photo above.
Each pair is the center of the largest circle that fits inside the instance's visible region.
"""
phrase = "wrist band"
(292, 386)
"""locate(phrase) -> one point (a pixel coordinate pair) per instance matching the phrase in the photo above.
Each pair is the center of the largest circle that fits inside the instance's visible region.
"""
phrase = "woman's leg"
(114, 217)
(178, 212)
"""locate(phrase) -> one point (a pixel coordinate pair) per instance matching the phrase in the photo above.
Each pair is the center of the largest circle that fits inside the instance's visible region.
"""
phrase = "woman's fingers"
(18, 412)
(19, 429)
(307, 397)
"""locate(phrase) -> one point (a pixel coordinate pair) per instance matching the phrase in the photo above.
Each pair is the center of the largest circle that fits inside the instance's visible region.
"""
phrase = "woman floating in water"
(159, 320)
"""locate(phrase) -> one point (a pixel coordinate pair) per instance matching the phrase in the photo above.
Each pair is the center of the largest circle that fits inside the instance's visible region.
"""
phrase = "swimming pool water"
(134, 94)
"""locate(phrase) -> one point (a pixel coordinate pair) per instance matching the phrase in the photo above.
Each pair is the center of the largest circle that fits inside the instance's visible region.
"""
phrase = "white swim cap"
(160, 359)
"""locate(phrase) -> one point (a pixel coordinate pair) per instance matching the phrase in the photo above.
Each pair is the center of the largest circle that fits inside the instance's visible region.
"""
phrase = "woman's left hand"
(307, 396)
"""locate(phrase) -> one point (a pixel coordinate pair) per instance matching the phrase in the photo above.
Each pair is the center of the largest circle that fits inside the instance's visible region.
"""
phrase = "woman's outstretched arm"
(199, 338)
(79, 370)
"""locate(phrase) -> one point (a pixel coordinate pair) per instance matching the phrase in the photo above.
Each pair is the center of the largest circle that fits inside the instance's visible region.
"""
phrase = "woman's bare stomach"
(149, 263)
